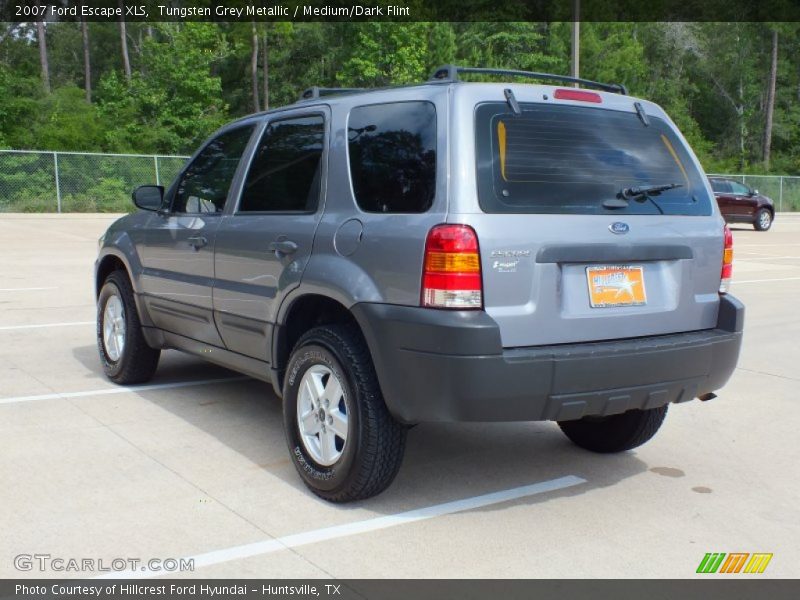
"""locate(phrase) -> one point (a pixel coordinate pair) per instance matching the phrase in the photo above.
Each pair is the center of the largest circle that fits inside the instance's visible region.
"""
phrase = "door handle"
(197, 241)
(283, 246)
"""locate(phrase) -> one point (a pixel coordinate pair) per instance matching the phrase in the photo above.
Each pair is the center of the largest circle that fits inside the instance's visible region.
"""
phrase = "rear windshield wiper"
(647, 190)
(640, 194)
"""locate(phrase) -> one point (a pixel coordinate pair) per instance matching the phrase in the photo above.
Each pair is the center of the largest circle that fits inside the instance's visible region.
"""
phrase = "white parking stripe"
(348, 529)
(765, 257)
(765, 280)
(28, 289)
(118, 390)
(43, 325)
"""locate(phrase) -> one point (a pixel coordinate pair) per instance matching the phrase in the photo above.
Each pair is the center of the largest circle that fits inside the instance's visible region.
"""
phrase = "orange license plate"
(616, 285)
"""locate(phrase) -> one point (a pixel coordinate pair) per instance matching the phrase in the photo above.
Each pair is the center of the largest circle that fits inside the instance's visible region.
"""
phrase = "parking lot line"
(766, 280)
(763, 256)
(775, 245)
(27, 289)
(43, 325)
(119, 390)
(348, 529)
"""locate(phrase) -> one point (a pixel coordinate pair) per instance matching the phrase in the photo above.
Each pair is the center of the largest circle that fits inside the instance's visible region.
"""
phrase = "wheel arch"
(299, 314)
(105, 266)
(114, 259)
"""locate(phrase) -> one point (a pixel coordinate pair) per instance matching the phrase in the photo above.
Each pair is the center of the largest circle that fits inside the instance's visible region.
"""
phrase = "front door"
(264, 243)
(742, 201)
(178, 253)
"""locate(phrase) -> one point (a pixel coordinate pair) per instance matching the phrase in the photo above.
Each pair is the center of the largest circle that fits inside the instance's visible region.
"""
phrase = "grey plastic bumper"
(450, 366)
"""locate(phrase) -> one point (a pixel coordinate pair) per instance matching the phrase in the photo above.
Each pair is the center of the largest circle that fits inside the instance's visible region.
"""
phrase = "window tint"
(285, 173)
(739, 188)
(570, 159)
(392, 150)
(204, 185)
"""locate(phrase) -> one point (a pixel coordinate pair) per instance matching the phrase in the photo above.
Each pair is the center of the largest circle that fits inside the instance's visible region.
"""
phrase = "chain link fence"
(33, 181)
(784, 190)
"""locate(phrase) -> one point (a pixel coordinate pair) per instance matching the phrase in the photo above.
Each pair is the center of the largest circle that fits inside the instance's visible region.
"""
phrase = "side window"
(721, 186)
(285, 173)
(204, 185)
(392, 150)
(740, 189)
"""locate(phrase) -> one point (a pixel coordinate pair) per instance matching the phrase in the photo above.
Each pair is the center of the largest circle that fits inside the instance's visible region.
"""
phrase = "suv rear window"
(392, 149)
(569, 159)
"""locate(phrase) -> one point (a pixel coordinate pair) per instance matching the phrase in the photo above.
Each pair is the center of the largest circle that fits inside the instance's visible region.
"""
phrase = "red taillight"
(580, 95)
(727, 262)
(451, 274)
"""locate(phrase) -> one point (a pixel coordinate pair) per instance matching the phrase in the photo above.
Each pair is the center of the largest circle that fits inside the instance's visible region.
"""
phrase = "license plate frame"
(614, 286)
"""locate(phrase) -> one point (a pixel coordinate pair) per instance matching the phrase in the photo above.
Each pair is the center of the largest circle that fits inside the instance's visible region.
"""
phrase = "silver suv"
(448, 251)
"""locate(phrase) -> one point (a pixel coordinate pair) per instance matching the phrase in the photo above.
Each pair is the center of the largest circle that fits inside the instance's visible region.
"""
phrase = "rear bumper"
(450, 366)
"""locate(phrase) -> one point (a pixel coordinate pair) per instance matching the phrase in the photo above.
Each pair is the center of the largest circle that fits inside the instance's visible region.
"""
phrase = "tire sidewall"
(112, 288)
(334, 477)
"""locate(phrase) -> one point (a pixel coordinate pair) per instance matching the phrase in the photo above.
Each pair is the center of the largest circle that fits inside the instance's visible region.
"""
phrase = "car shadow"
(173, 367)
(443, 462)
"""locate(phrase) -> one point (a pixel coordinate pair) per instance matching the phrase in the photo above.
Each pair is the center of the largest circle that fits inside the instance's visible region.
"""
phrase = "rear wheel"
(342, 439)
(615, 433)
(125, 355)
(763, 220)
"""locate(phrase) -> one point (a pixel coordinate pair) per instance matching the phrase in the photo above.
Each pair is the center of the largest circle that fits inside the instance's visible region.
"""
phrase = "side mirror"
(148, 197)
(754, 192)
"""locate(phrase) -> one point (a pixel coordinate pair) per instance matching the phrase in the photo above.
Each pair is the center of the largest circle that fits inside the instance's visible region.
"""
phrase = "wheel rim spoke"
(333, 391)
(339, 424)
(328, 442)
(310, 422)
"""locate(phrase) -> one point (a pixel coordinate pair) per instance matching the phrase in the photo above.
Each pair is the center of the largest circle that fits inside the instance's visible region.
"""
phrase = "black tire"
(373, 451)
(615, 433)
(763, 220)
(137, 362)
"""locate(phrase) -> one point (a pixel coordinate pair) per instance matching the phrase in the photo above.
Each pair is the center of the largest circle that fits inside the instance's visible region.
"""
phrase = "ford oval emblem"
(618, 227)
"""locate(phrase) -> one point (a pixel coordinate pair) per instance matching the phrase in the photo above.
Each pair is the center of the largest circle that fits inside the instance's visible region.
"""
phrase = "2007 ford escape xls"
(448, 251)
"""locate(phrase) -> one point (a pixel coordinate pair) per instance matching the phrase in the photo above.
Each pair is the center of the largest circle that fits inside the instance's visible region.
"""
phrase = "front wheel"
(763, 220)
(125, 355)
(615, 433)
(342, 439)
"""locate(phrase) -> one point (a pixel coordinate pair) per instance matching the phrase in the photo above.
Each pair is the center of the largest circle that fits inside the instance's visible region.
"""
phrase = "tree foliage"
(189, 78)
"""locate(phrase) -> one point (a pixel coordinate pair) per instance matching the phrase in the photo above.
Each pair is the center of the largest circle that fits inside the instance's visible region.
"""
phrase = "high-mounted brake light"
(580, 95)
(451, 275)
(727, 262)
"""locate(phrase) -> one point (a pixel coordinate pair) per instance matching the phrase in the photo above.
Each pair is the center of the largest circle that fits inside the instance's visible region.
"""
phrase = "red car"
(739, 203)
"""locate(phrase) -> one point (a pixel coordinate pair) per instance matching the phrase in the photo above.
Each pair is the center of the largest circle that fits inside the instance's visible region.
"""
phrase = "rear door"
(565, 256)
(177, 255)
(264, 243)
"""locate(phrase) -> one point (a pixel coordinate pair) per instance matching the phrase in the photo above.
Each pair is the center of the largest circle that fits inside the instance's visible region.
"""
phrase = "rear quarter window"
(569, 159)
(392, 155)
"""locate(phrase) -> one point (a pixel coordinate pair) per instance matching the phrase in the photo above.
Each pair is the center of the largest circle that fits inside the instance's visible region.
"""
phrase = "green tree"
(385, 54)
(178, 103)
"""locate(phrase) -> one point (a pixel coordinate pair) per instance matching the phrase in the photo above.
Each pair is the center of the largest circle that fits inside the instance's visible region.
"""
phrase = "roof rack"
(319, 92)
(451, 73)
